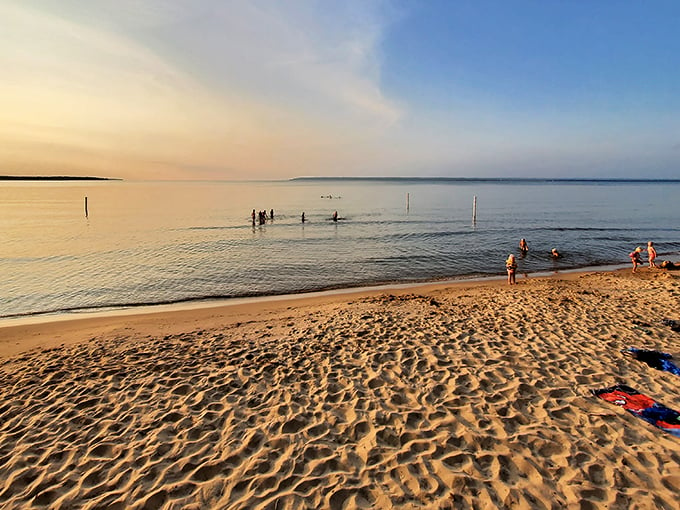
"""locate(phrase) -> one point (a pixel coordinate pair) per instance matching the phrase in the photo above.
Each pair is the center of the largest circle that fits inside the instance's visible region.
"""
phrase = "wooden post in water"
(474, 210)
(408, 201)
(86, 207)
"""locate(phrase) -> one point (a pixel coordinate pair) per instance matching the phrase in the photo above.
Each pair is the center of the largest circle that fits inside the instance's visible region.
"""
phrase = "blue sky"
(226, 89)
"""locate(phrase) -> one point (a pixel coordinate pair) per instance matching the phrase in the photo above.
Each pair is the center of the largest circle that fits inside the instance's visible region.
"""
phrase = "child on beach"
(511, 266)
(635, 258)
(651, 252)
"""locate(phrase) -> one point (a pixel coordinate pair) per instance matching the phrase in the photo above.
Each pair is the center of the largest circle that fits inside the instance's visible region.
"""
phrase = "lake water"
(160, 242)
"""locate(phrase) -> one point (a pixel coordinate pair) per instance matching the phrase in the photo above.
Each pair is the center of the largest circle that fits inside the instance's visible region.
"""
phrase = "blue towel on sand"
(655, 359)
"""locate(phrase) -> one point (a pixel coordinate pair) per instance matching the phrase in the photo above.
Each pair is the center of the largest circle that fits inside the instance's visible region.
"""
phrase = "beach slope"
(445, 396)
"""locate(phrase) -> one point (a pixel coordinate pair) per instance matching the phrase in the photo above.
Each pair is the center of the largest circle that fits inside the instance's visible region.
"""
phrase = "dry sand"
(459, 396)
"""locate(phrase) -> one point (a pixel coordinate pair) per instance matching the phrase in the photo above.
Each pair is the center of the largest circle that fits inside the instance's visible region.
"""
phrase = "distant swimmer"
(555, 254)
(523, 246)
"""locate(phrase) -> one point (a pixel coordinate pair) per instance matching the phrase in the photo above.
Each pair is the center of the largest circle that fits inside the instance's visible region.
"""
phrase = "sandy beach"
(473, 395)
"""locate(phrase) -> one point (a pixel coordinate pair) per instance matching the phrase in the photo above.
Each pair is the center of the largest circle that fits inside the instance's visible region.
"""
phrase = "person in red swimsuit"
(635, 258)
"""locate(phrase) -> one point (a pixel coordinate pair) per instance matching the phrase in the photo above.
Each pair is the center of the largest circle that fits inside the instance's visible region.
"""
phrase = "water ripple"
(205, 247)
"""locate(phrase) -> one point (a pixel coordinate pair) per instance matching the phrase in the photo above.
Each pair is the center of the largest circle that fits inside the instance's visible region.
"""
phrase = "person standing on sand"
(635, 258)
(651, 252)
(511, 266)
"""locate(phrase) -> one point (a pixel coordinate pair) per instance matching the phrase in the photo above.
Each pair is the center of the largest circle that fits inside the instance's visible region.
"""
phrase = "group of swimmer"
(635, 257)
(262, 216)
(334, 217)
(524, 249)
(511, 262)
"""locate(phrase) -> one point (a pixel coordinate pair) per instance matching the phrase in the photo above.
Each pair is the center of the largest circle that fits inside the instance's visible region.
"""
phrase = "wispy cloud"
(72, 76)
(296, 53)
(204, 83)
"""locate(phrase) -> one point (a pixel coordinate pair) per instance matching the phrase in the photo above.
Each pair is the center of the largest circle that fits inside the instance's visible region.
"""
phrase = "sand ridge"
(465, 397)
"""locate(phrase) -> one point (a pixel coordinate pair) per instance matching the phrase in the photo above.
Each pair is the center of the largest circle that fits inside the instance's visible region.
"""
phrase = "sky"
(254, 89)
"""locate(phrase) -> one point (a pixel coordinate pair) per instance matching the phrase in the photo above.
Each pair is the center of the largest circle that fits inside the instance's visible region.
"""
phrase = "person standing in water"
(303, 217)
(523, 246)
(335, 216)
(511, 266)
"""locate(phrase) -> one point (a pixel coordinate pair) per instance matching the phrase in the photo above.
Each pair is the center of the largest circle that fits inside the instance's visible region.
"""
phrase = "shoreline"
(215, 302)
(23, 334)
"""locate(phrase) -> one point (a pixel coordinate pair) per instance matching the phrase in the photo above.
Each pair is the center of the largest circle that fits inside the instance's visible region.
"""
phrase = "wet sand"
(474, 395)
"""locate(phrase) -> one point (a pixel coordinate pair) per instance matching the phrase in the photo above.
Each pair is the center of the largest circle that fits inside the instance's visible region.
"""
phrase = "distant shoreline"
(519, 180)
(55, 178)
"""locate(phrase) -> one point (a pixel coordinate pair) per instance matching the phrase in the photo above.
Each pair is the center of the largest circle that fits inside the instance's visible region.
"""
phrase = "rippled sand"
(473, 396)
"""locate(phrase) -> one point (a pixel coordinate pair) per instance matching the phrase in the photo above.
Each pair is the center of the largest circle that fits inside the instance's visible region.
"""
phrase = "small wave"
(601, 229)
(213, 227)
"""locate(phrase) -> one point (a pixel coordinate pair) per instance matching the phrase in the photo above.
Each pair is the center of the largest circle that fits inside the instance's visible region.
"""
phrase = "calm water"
(156, 242)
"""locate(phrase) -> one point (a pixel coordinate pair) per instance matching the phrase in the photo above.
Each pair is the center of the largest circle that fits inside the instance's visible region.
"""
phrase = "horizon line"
(353, 178)
(484, 179)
